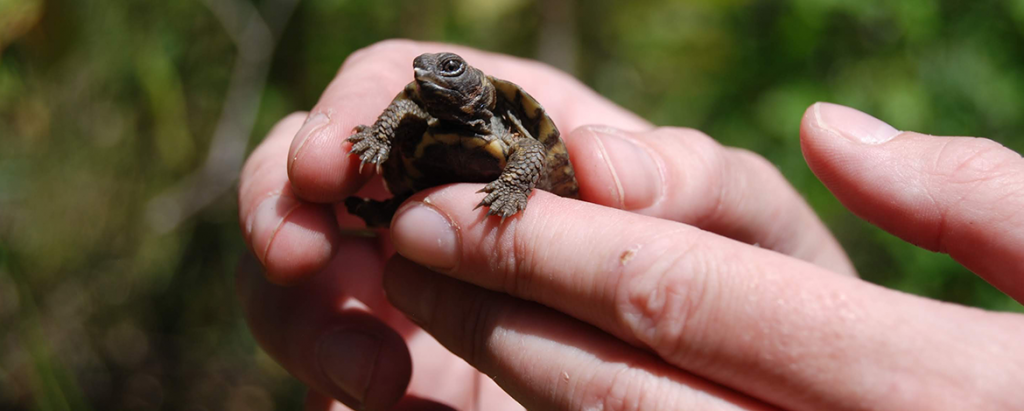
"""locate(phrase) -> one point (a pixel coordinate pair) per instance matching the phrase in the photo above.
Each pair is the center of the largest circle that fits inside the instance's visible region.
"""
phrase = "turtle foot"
(504, 198)
(370, 147)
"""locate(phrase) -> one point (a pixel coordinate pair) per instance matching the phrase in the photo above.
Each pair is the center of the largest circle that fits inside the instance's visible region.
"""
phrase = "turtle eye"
(452, 67)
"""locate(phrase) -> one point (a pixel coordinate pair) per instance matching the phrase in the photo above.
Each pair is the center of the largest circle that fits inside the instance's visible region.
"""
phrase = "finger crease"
(620, 201)
(273, 234)
(302, 144)
(251, 212)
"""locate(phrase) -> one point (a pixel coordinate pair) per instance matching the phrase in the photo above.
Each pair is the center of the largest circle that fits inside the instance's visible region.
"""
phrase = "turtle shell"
(558, 176)
(425, 156)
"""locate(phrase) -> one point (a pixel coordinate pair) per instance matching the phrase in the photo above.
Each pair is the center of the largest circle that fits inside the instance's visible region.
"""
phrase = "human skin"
(691, 276)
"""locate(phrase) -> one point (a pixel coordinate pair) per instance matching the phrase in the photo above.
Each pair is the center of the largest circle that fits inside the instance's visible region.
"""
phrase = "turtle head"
(451, 89)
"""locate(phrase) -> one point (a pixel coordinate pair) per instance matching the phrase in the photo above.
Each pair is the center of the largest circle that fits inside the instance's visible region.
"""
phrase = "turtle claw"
(503, 199)
(370, 147)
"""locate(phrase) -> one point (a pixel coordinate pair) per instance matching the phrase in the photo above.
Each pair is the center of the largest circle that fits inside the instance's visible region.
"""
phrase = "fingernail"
(422, 234)
(266, 219)
(853, 124)
(312, 124)
(634, 174)
(348, 358)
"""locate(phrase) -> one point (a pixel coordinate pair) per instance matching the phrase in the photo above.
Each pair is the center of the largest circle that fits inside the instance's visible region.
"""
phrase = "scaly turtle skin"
(456, 124)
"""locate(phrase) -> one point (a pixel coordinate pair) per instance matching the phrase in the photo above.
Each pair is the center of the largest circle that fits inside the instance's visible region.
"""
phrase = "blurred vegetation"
(107, 107)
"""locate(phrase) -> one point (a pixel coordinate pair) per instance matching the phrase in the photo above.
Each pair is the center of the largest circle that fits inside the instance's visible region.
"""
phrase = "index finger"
(957, 195)
(319, 166)
(776, 328)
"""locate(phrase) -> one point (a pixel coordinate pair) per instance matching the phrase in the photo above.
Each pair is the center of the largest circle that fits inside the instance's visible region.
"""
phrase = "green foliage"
(105, 105)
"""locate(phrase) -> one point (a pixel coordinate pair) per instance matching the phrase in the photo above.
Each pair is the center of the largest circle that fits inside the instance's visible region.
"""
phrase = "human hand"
(578, 306)
(333, 328)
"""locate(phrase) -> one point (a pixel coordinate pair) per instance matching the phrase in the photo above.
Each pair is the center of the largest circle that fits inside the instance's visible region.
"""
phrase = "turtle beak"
(425, 78)
(419, 67)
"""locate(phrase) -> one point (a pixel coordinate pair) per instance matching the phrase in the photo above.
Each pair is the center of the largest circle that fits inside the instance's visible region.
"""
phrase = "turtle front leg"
(507, 195)
(373, 143)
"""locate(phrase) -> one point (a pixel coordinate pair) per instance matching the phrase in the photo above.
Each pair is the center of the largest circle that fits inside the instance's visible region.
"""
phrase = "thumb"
(958, 195)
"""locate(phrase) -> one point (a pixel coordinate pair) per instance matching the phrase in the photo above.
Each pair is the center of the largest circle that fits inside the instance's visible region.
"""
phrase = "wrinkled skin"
(707, 284)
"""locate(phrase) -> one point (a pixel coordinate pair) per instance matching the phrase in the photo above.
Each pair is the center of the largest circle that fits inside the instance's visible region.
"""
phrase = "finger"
(319, 165)
(686, 176)
(331, 342)
(778, 328)
(957, 195)
(543, 359)
(291, 237)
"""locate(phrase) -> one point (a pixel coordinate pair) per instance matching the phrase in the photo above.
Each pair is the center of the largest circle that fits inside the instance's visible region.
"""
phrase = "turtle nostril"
(420, 62)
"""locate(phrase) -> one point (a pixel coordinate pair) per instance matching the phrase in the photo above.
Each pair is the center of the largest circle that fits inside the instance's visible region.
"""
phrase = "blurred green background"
(123, 125)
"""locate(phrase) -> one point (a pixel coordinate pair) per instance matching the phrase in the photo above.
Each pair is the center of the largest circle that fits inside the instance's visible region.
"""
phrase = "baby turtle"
(456, 124)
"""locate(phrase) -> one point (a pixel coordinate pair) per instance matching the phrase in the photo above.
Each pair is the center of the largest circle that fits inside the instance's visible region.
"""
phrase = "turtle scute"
(454, 123)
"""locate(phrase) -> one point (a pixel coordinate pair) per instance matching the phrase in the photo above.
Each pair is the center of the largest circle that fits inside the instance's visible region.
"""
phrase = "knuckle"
(627, 388)
(690, 148)
(758, 165)
(626, 393)
(969, 160)
(665, 302)
(517, 258)
(512, 256)
(701, 168)
(475, 330)
(753, 179)
(747, 172)
(675, 133)
(692, 145)
(973, 177)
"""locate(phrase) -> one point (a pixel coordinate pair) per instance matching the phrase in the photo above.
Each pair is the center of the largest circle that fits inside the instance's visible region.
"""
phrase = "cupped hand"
(578, 306)
(315, 303)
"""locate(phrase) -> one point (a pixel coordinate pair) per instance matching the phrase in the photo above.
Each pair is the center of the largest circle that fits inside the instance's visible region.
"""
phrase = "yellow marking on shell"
(427, 141)
(448, 138)
(495, 149)
(430, 139)
(507, 89)
(531, 107)
(473, 142)
(545, 130)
